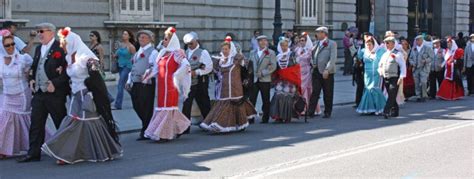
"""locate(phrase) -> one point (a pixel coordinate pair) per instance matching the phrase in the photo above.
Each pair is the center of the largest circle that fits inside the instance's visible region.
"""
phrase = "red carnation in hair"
(64, 32)
(172, 30)
(228, 39)
(304, 33)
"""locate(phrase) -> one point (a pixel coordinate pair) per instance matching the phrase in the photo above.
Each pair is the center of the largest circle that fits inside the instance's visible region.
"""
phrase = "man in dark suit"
(324, 67)
(50, 85)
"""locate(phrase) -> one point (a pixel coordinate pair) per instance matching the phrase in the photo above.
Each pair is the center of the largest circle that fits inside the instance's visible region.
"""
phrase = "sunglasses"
(91, 35)
(42, 31)
(9, 45)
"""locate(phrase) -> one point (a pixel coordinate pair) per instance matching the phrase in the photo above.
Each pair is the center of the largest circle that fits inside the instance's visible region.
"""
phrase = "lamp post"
(277, 22)
(425, 16)
(417, 27)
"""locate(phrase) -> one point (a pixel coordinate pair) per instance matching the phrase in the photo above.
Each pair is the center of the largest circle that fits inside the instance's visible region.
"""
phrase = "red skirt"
(409, 84)
(450, 90)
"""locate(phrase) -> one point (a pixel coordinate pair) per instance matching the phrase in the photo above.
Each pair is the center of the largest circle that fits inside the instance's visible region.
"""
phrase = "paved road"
(434, 139)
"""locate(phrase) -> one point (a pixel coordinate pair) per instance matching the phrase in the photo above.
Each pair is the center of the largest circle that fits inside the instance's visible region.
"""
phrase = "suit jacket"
(416, 58)
(468, 55)
(438, 59)
(264, 66)
(55, 58)
(325, 56)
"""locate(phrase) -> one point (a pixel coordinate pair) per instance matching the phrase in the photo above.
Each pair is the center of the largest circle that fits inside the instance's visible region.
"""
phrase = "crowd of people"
(158, 78)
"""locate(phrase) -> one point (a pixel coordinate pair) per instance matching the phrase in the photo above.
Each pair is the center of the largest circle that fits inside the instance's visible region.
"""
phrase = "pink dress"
(303, 57)
(167, 121)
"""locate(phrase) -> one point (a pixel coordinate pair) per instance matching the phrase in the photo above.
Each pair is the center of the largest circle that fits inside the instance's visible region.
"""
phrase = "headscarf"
(233, 52)
(376, 46)
(450, 52)
(76, 46)
(283, 63)
(85, 58)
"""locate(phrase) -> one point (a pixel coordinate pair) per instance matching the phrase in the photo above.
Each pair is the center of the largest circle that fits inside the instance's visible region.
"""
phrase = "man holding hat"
(143, 92)
(469, 64)
(437, 72)
(50, 85)
(264, 64)
(324, 67)
(392, 68)
(201, 66)
(420, 60)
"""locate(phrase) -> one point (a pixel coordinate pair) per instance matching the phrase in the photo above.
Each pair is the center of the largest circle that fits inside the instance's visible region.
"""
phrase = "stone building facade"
(212, 19)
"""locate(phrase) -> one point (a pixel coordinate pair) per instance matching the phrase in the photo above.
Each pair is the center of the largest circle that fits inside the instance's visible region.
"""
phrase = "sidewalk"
(128, 121)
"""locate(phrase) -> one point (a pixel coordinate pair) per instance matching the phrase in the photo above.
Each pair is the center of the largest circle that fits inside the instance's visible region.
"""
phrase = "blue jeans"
(123, 77)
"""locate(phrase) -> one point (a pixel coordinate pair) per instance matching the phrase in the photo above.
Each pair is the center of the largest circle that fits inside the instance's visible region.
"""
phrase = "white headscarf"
(376, 46)
(450, 52)
(309, 43)
(173, 44)
(77, 46)
(233, 52)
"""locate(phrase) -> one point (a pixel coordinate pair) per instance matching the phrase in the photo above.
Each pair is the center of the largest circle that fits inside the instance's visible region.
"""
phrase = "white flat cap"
(436, 40)
(262, 37)
(472, 35)
(189, 37)
(146, 32)
(419, 37)
(389, 39)
(389, 33)
(46, 25)
(322, 29)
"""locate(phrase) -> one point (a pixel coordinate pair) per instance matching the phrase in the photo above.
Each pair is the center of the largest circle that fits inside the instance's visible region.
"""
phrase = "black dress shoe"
(385, 115)
(28, 158)
(142, 138)
(326, 116)
(264, 122)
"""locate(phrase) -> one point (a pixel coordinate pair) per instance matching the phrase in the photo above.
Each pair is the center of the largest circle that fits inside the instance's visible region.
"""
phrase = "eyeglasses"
(42, 31)
(9, 45)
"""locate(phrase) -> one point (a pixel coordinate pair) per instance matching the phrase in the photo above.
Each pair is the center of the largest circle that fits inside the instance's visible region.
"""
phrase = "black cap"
(8, 24)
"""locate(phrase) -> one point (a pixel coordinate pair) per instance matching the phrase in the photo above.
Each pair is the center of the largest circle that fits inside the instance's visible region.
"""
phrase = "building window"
(311, 12)
(136, 7)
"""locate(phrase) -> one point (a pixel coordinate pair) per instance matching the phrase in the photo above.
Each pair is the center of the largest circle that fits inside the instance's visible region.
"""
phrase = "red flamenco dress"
(452, 88)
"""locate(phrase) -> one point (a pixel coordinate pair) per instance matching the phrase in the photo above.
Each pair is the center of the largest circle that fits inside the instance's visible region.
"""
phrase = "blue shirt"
(124, 57)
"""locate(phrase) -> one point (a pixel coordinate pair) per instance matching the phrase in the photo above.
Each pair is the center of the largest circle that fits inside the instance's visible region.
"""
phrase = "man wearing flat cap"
(323, 68)
(392, 68)
(264, 64)
(142, 92)
(437, 72)
(201, 66)
(420, 60)
(469, 64)
(50, 86)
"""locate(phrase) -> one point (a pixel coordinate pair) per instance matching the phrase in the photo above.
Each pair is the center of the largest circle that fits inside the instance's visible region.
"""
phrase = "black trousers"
(434, 80)
(359, 80)
(348, 62)
(44, 104)
(391, 107)
(143, 101)
(327, 85)
(264, 89)
(470, 79)
(201, 94)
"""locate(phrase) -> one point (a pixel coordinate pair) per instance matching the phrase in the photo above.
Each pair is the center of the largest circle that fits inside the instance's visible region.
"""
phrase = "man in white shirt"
(19, 44)
(143, 92)
(392, 68)
(201, 66)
